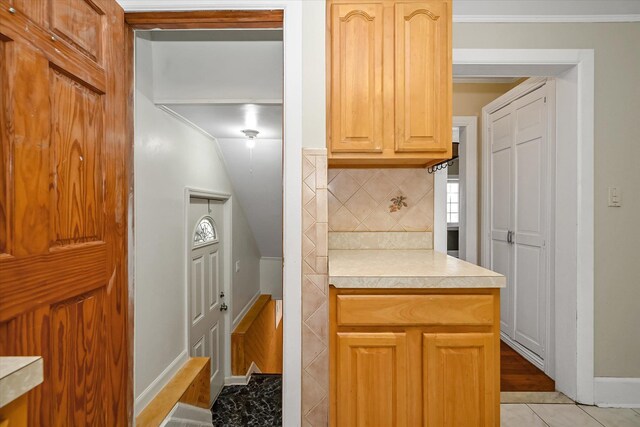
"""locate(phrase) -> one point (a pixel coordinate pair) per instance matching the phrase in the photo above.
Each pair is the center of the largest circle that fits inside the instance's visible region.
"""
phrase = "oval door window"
(205, 232)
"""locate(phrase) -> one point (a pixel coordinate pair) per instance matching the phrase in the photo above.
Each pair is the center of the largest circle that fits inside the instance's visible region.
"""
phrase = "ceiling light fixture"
(251, 136)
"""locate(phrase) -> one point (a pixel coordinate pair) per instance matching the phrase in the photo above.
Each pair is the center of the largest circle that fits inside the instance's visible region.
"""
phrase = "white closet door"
(530, 174)
(501, 139)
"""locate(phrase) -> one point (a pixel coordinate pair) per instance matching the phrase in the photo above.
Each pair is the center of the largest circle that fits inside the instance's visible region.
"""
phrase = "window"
(453, 201)
(205, 232)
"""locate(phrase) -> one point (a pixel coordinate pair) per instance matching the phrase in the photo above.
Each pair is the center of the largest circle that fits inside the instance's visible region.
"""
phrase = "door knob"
(221, 294)
(224, 307)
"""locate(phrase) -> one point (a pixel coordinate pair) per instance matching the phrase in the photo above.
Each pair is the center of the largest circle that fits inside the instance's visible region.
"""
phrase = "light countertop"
(384, 268)
(18, 375)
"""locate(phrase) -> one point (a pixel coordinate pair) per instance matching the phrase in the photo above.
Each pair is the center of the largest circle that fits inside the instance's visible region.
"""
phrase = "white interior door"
(530, 227)
(518, 174)
(501, 140)
(205, 286)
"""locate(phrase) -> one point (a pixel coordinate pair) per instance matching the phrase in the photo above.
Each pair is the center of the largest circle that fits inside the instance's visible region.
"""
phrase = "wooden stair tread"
(252, 314)
(189, 385)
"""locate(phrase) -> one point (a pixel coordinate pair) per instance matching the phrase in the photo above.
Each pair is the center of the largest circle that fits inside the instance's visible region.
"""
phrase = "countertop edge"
(22, 379)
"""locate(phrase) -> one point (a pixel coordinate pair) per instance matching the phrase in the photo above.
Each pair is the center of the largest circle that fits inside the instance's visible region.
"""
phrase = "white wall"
(271, 277)
(169, 156)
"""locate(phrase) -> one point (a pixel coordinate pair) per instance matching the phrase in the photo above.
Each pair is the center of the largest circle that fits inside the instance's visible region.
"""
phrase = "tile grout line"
(597, 420)
(537, 415)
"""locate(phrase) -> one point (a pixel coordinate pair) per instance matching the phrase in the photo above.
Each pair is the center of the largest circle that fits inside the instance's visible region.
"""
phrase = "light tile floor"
(566, 415)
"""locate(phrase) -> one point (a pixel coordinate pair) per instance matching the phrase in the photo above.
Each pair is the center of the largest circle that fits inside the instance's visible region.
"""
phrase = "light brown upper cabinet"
(389, 82)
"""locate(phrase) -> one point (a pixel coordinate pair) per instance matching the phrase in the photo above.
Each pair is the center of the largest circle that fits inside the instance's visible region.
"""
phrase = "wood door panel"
(372, 375)
(80, 23)
(77, 135)
(26, 89)
(63, 207)
(423, 112)
(59, 52)
(78, 360)
(459, 380)
(37, 11)
(356, 78)
(5, 168)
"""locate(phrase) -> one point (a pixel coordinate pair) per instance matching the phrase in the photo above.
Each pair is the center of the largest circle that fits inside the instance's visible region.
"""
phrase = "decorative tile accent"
(380, 240)
(380, 200)
(316, 203)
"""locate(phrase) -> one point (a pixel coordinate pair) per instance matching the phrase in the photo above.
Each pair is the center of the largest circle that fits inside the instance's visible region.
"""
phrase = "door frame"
(547, 364)
(227, 262)
(292, 160)
(573, 71)
(468, 225)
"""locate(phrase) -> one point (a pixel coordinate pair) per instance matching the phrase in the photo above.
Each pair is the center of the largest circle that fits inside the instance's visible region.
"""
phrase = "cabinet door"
(423, 76)
(460, 380)
(356, 78)
(372, 379)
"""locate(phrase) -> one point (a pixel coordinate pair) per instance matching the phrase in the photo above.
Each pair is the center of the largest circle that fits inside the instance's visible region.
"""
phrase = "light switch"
(237, 266)
(615, 197)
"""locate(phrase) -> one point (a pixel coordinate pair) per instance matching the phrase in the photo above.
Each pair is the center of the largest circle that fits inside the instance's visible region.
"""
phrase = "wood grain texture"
(356, 83)
(190, 385)
(388, 310)
(518, 374)
(257, 340)
(206, 19)
(416, 88)
(79, 22)
(423, 76)
(65, 160)
(61, 275)
(5, 150)
(77, 115)
(459, 380)
(452, 369)
(373, 379)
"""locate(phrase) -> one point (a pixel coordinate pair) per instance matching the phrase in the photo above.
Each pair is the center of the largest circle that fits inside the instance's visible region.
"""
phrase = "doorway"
(215, 136)
(572, 267)
(205, 286)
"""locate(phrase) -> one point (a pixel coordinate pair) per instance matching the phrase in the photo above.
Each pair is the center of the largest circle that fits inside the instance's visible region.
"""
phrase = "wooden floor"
(518, 374)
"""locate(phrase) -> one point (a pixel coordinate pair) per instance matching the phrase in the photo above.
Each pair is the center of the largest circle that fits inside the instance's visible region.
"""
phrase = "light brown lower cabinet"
(399, 365)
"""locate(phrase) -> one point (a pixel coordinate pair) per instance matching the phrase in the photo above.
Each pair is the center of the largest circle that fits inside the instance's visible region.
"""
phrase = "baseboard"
(156, 385)
(524, 352)
(612, 392)
(246, 308)
(242, 379)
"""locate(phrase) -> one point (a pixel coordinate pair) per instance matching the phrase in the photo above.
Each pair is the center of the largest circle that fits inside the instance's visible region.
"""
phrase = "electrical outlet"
(615, 197)
(237, 266)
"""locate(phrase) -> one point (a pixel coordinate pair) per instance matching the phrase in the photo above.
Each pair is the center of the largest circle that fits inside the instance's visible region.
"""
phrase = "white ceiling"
(257, 180)
(228, 120)
(224, 81)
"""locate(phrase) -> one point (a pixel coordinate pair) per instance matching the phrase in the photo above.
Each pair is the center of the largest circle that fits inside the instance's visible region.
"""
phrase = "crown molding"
(546, 18)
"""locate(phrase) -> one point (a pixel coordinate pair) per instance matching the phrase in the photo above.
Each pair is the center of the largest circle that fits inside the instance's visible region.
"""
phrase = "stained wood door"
(63, 205)
(460, 380)
(423, 111)
(373, 379)
(356, 78)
